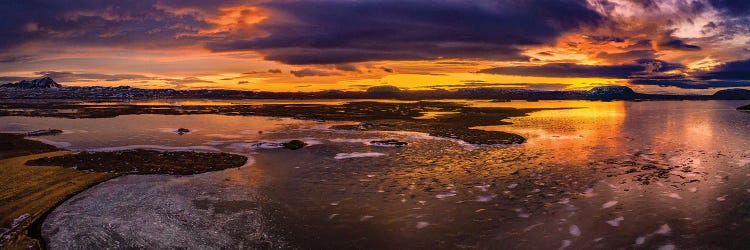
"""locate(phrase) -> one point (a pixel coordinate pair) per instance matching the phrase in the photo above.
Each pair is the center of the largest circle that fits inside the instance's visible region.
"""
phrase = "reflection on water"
(596, 175)
(156, 131)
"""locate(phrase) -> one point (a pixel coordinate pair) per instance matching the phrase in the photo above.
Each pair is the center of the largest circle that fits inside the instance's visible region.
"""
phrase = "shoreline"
(456, 120)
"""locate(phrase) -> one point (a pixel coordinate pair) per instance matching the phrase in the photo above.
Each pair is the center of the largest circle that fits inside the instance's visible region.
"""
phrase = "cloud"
(143, 23)
(5, 79)
(735, 70)
(731, 74)
(16, 58)
(641, 67)
(690, 84)
(678, 44)
(333, 32)
(347, 67)
(310, 72)
(65, 76)
(732, 7)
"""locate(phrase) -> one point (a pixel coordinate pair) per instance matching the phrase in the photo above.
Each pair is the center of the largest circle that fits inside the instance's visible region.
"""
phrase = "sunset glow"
(696, 46)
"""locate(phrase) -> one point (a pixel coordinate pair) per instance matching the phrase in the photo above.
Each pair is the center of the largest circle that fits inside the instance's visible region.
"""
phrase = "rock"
(294, 144)
(367, 125)
(389, 143)
(44, 132)
(746, 107)
(182, 131)
(41, 83)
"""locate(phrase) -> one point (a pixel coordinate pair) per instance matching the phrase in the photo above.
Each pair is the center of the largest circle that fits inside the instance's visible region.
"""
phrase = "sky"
(654, 46)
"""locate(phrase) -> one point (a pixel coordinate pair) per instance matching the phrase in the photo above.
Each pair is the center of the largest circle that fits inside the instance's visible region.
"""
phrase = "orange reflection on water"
(571, 134)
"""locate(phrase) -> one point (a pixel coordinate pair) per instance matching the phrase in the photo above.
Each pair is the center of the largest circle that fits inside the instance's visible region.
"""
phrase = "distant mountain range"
(41, 83)
(47, 88)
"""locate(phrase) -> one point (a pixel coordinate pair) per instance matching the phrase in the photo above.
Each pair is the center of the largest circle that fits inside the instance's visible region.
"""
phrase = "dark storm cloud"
(347, 67)
(332, 32)
(6, 79)
(605, 39)
(628, 55)
(690, 84)
(736, 70)
(310, 72)
(640, 67)
(568, 70)
(732, 7)
(731, 74)
(95, 22)
(16, 58)
(678, 44)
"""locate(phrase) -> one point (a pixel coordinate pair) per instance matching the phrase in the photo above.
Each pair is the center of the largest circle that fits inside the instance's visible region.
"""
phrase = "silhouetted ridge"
(41, 83)
(732, 94)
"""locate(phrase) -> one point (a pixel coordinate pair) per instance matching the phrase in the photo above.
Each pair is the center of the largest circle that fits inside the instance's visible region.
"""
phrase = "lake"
(661, 174)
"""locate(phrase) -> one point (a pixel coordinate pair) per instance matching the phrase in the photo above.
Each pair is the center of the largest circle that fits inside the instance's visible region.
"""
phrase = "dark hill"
(41, 83)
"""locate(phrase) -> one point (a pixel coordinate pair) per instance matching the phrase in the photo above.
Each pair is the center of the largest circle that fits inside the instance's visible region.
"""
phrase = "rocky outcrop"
(41, 83)
(294, 144)
(389, 143)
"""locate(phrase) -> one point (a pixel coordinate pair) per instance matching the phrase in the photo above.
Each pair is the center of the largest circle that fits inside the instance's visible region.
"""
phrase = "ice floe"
(484, 198)
(565, 244)
(609, 204)
(574, 230)
(616, 221)
(341, 156)
(483, 188)
(640, 240)
(521, 214)
(446, 195)
(663, 230)
(667, 247)
(589, 193)
(674, 195)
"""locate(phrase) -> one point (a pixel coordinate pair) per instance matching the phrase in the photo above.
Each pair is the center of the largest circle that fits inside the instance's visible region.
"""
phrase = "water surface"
(593, 175)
